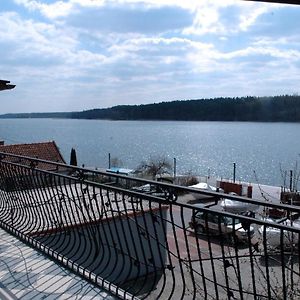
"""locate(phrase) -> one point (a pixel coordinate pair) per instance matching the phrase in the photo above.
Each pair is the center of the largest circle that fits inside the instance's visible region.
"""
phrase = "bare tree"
(116, 162)
(155, 166)
(294, 177)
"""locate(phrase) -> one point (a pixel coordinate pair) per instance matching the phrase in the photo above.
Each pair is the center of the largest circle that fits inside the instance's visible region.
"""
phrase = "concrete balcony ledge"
(27, 274)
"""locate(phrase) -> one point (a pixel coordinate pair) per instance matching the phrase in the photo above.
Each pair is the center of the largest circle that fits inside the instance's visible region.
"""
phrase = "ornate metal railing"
(139, 238)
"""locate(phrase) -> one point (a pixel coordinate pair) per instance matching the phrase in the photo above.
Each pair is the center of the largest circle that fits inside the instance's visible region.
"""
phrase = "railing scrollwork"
(148, 243)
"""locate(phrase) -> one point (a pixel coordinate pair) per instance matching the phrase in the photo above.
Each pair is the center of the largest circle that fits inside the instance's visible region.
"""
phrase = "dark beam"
(278, 1)
(4, 85)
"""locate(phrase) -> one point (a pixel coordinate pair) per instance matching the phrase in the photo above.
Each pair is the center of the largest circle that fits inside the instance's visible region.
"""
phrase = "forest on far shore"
(256, 109)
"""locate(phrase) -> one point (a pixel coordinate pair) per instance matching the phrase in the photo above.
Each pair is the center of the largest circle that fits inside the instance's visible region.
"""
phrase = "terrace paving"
(27, 274)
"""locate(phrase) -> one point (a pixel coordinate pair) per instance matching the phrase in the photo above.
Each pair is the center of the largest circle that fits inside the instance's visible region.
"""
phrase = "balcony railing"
(137, 238)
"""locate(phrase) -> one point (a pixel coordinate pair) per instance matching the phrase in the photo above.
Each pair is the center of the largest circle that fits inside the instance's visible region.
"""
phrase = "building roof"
(44, 150)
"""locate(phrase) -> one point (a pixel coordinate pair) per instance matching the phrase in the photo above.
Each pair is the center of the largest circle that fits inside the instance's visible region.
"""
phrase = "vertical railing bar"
(114, 232)
(138, 226)
(252, 265)
(105, 202)
(52, 189)
(35, 197)
(237, 260)
(224, 256)
(148, 242)
(109, 248)
(158, 244)
(178, 252)
(166, 246)
(188, 253)
(292, 257)
(200, 257)
(212, 257)
(58, 214)
(282, 257)
(23, 202)
(82, 222)
(4, 211)
(170, 253)
(122, 220)
(4, 196)
(67, 231)
(72, 200)
(266, 261)
(114, 221)
(44, 217)
(170, 266)
(14, 206)
(95, 228)
(143, 228)
(89, 228)
(128, 217)
(45, 205)
(32, 196)
(298, 253)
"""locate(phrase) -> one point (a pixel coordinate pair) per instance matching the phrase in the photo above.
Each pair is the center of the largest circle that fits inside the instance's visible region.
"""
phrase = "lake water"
(200, 148)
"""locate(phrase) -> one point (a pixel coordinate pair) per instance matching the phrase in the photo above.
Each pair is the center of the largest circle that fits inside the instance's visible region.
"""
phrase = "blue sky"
(79, 54)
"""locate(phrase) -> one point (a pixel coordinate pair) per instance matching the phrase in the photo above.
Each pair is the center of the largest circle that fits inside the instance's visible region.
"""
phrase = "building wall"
(118, 249)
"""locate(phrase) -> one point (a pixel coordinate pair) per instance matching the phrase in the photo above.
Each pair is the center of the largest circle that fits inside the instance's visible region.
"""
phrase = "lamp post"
(234, 171)
(174, 172)
(4, 85)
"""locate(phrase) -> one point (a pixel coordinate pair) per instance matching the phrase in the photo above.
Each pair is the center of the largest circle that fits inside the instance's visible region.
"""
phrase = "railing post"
(234, 171)
(174, 168)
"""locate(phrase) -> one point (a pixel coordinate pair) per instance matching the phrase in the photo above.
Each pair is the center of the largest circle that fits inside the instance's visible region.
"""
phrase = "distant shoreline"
(143, 120)
(244, 109)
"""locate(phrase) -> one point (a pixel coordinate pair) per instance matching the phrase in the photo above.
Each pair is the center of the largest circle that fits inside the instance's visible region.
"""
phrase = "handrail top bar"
(170, 186)
(206, 209)
(92, 183)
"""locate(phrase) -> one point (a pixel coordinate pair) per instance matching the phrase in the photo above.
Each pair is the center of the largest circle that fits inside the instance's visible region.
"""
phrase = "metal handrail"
(143, 245)
(178, 188)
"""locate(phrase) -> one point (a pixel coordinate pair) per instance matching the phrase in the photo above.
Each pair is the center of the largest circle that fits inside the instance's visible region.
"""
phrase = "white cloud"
(268, 51)
(209, 16)
(54, 10)
(207, 12)
(248, 18)
(35, 37)
(142, 42)
(206, 20)
(143, 66)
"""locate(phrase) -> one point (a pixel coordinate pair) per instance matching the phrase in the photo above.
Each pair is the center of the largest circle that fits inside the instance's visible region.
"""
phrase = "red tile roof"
(45, 150)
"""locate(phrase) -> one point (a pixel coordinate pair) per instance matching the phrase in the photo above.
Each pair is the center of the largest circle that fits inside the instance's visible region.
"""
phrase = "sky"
(73, 55)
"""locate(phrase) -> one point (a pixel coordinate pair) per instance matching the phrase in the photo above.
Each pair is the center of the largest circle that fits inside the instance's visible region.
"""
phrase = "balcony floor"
(27, 274)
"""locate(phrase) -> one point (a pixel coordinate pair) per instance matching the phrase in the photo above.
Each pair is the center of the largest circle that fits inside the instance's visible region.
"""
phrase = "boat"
(204, 186)
(238, 207)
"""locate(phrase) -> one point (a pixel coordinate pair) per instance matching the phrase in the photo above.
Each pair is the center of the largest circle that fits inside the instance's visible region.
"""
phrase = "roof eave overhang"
(4, 85)
(294, 2)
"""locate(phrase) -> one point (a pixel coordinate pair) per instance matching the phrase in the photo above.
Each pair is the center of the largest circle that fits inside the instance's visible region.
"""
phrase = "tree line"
(284, 108)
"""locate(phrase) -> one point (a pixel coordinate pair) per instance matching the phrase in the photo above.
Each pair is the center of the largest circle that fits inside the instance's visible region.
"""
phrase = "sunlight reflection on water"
(197, 146)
